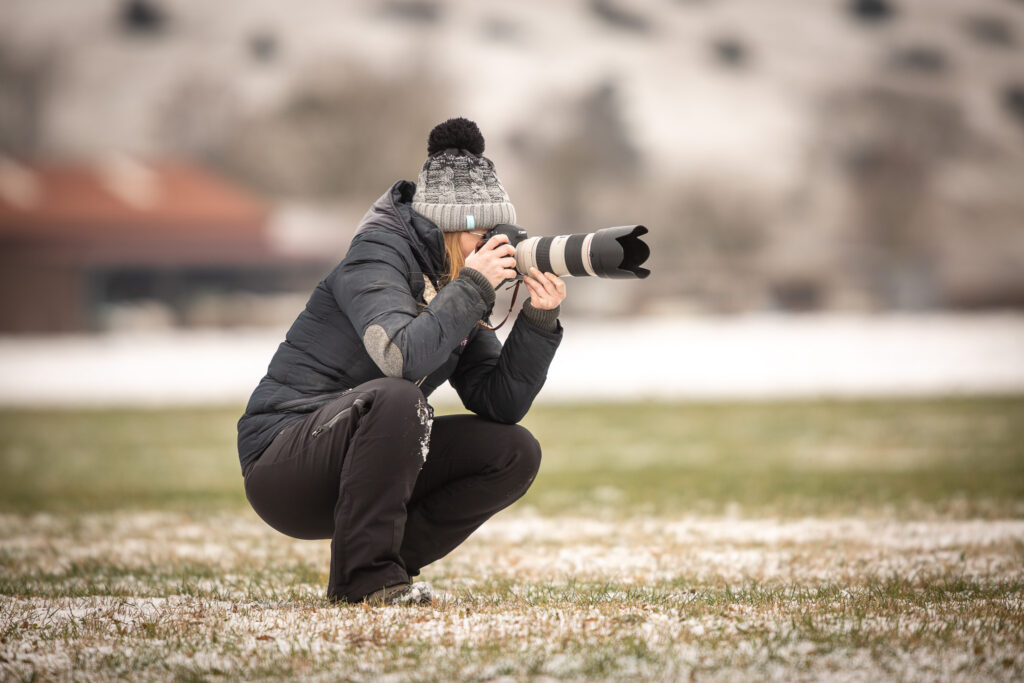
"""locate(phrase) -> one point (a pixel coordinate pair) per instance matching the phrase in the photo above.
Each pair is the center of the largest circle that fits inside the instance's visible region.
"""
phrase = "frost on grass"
(159, 594)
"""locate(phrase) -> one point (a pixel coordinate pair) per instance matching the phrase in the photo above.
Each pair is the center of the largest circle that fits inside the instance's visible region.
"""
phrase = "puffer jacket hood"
(393, 213)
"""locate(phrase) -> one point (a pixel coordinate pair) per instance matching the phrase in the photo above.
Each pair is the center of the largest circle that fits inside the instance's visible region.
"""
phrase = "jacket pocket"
(358, 408)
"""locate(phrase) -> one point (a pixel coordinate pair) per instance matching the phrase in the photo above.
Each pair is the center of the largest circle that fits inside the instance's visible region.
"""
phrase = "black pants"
(393, 494)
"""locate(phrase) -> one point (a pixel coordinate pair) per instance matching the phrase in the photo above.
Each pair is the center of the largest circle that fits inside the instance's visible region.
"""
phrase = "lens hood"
(619, 252)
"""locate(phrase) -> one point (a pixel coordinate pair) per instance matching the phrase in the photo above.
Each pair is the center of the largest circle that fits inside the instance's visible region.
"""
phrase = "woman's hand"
(495, 260)
(547, 290)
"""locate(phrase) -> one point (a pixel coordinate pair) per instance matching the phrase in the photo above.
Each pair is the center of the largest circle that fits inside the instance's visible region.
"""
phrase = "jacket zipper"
(330, 423)
(358, 405)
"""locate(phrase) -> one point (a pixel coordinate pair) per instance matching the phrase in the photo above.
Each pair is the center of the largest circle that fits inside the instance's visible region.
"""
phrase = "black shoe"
(402, 594)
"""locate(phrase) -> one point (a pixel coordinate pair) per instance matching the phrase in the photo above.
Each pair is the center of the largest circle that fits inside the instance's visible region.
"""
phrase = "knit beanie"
(457, 186)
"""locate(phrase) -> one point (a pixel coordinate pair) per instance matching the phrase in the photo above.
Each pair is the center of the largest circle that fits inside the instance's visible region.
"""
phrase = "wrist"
(544, 319)
(477, 279)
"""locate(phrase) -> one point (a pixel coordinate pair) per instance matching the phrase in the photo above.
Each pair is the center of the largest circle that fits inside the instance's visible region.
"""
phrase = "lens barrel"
(611, 253)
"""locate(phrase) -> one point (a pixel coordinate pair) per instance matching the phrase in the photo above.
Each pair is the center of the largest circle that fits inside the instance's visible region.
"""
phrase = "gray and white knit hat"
(457, 186)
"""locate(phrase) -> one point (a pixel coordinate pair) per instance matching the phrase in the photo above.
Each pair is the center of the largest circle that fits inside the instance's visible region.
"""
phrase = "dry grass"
(606, 571)
(156, 595)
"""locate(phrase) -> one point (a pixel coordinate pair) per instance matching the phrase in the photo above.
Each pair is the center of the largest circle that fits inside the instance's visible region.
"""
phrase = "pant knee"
(398, 399)
(398, 409)
(525, 454)
(395, 390)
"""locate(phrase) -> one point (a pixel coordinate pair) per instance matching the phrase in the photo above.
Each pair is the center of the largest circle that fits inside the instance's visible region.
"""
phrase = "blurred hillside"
(787, 155)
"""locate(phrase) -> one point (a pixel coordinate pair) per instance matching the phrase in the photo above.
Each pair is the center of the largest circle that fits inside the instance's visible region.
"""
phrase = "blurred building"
(79, 238)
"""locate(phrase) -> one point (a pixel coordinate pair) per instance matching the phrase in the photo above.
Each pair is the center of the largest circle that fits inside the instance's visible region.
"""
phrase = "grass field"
(815, 540)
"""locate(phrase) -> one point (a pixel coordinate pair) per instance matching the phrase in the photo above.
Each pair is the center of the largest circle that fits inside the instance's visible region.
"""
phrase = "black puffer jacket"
(368, 319)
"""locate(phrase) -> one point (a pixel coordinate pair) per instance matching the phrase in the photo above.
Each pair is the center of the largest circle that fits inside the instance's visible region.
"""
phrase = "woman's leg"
(474, 469)
(346, 472)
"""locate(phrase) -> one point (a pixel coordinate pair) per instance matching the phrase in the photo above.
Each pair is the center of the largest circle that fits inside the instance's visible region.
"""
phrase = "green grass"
(789, 458)
(959, 456)
(662, 541)
(111, 459)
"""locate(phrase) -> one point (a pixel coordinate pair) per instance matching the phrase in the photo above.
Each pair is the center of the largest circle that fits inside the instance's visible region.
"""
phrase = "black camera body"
(514, 233)
(611, 252)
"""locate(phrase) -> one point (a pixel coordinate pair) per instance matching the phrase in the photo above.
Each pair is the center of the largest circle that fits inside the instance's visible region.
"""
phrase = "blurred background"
(798, 446)
(835, 190)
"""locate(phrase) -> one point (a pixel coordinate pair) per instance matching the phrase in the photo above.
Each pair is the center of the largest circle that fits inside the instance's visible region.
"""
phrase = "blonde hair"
(455, 260)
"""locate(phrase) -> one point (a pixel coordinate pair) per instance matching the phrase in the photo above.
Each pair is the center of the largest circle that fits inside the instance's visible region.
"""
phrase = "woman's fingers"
(557, 282)
(549, 282)
(495, 260)
(547, 290)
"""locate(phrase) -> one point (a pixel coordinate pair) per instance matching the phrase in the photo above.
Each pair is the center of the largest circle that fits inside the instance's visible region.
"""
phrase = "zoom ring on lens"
(561, 255)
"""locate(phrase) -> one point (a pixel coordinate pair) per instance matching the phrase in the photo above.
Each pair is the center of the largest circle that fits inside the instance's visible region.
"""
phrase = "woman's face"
(470, 240)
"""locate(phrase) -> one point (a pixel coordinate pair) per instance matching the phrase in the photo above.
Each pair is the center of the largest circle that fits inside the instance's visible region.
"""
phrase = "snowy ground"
(163, 595)
(736, 541)
(757, 356)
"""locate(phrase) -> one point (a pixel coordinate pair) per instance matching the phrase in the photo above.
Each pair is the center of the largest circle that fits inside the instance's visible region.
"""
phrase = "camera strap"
(515, 293)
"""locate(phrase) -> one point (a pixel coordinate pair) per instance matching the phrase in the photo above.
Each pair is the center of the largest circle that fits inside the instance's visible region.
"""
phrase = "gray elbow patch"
(384, 353)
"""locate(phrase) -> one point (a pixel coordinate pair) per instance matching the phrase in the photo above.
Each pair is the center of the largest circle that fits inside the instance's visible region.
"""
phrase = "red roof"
(126, 211)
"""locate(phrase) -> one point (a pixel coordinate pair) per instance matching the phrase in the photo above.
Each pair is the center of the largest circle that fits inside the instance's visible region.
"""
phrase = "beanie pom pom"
(456, 133)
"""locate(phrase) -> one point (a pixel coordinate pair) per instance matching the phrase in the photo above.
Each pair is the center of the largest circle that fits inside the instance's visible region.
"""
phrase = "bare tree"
(889, 146)
(596, 159)
(26, 85)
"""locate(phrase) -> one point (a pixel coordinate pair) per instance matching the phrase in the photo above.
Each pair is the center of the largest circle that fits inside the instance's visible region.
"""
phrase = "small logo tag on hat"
(470, 222)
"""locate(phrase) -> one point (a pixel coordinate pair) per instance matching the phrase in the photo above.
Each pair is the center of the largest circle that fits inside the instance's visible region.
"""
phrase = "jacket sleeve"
(500, 382)
(372, 290)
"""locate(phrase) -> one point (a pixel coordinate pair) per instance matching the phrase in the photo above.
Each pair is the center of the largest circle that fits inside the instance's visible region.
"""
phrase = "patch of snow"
(754, 356)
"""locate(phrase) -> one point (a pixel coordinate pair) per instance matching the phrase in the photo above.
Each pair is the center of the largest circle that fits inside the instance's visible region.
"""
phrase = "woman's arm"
(500, 383)
(372, 290)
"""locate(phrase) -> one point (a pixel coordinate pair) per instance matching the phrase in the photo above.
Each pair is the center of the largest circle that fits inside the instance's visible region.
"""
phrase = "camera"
(611, 252)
